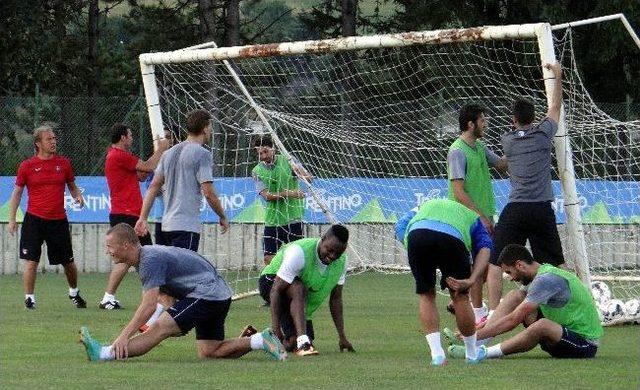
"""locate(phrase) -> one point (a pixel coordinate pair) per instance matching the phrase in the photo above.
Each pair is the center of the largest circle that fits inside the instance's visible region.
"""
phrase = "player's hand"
(121, 347)
(163, 144)
(225, 224)
(13, 227)
(79, 200)
(488, 224)
(556, 68)
(141, 228)
(297, 194)
(343, 343)
(458, 285)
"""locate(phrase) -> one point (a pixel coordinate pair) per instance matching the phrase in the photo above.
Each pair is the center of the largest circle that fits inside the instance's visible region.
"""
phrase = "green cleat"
(273, 346)
(457, 351)
(92, 346)
(450, 337)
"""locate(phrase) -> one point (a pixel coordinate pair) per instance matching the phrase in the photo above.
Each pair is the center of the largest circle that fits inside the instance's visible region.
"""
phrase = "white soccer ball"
(600, 291)
(613, 310)
(632, 308)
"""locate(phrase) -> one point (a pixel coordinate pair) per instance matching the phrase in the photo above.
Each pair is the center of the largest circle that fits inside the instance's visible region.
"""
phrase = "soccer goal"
(372, 118)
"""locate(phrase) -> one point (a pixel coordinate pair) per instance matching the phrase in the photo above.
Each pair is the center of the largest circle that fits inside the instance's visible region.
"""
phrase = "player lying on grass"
(298, 279)
(557, 310)
(202, 300)
(441, 234)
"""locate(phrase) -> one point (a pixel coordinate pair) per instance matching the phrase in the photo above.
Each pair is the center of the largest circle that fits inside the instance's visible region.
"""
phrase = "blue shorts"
(571, 346)
(183, 239)
(206, 316)
(276, 236)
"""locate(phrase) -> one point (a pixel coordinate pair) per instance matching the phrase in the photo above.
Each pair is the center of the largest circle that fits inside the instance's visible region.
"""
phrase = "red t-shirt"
(122, 179)
(45, 180)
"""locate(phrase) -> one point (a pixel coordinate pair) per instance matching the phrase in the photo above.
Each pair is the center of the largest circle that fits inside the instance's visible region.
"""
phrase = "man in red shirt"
(45, 176)
(123, 171)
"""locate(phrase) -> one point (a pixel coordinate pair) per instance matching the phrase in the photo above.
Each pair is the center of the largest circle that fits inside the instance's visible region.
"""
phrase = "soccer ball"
(632, 308)
(600, 291)
(613, 310)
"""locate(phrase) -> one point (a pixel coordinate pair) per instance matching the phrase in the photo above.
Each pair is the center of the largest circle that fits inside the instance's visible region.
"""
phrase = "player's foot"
(306, 350)
(439, 361)
(110, 305)
(450, 337)
(273, 346)
(91, 345)
(143, 328)
(248, 331)
(29, 304)
(481, 355)
(78, 301)
(457, 351)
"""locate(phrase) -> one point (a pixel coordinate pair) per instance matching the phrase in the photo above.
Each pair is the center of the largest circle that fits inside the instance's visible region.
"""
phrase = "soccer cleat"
(457, 351)
(481, 322)
(450, 337)
(273, 346)
(143, 328)
(78, 301)
(110, 305)
(306, 350)
(439, 361)
(481, 355)
(91, 345)
(29, 304)
(248, 331)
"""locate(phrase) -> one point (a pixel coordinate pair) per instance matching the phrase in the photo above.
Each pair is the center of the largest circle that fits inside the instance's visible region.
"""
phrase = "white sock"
(107, 353)
(484, 341)
(494, 351)
(302, 340)
(256, 341)
(155, 315)
(470, 345)
(73, 292)
(479, 313)
(32, 296)
(435, 344)
(108, 297)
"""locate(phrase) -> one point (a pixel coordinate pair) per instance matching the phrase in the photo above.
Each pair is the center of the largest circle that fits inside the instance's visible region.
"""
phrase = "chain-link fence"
(82, 127)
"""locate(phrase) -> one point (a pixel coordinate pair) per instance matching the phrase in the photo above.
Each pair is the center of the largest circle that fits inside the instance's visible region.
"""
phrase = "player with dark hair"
(442, 234)
(201, 300)
(528, 214)
(45, 175)
(277, 183)
(123, 171)
(555, 307)
(296, 282)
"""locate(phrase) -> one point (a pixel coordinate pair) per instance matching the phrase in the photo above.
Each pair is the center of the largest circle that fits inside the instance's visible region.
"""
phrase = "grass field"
(39, 349)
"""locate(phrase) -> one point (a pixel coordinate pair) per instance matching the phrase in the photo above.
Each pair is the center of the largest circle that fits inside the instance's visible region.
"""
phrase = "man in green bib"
(557, 310)
(277, 183)
(299, 278)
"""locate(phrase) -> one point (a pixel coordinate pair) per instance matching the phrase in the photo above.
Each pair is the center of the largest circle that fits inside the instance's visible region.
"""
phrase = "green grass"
(39, 349)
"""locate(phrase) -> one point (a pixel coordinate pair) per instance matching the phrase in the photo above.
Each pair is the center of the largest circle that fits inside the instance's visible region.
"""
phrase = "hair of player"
(469, 113)
(117, 131)
(124, 233)
(37, 133)
(263, 140)
(524, 111)
(340, 232)
(197, 121)
(514, 252)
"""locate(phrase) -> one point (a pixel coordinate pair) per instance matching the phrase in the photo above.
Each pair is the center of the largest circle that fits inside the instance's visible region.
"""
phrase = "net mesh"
(374, 127)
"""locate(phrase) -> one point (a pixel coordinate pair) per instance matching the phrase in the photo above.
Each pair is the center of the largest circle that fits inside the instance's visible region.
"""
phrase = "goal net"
(372, 119)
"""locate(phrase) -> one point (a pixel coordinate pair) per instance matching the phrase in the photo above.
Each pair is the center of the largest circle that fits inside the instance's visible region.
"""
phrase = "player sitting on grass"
(441, 234)
(202, 302)
(557, 310)
(296, 282)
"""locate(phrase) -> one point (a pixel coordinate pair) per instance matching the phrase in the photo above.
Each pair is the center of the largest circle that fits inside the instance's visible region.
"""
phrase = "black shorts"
(206, 316)
(130, 220)
(276, 236)
(265, 282)
(429, 250)
(159, 235)
(183, 239)
(571, 346)
(535, 222)
(55, 232)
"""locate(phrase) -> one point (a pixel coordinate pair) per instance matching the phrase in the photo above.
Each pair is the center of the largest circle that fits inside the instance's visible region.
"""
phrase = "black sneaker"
(29, 304)
(78, 301)
(110, 305)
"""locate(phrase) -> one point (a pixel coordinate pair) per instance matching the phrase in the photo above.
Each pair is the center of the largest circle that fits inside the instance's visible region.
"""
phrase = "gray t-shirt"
(181, 273)
(184, 167)
(548, 289)
(528, 152)
(457, 162)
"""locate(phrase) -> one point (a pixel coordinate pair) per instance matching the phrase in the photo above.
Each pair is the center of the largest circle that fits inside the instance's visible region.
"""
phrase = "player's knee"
(540, 327)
